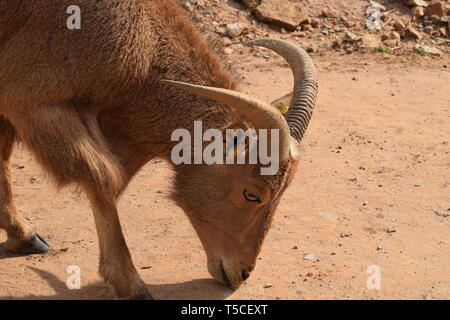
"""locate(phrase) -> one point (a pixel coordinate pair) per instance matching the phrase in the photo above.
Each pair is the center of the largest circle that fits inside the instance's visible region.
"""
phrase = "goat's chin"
(220, 271)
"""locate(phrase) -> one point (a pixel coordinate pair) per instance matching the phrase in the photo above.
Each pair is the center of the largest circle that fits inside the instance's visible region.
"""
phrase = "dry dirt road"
(376, 156)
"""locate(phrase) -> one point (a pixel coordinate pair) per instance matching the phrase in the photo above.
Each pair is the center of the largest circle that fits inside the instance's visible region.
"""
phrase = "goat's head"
(231, 205)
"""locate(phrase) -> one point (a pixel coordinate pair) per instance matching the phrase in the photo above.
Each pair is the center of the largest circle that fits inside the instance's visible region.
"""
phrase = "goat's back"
(41, 58)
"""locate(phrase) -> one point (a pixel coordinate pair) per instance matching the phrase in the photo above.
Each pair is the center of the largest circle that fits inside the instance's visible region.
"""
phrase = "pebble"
(309, 256)
(228, 50)
(391, 230)
(428, 29)
(267, 285)
(234, 29)
(188, 6)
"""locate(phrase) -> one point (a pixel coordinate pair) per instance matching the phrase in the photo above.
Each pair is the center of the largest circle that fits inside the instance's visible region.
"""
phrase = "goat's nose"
(245, 274)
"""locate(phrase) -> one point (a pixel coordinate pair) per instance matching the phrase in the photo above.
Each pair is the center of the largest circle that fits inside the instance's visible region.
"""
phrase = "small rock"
(379, 248)
(435, 18)
(396, 36)
(370, 41)
(391, 230)
(295, 247)
(234, 29)
(349, 24)
(188, 6)
(309, 256)
(313, 48)
(207, 11)
(391, 43)
(315, 22)
(345, 235)
(226, 41)
(428, 29)
(228, 50)
(417, 13)
(419, 3)
(267, 286)
(399, 24)
(251, 3)
(330, 13)
(377, 5)
(415, 33)
(350, 36)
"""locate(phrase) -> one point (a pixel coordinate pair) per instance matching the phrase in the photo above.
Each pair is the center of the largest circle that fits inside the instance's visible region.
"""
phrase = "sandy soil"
(376, 156)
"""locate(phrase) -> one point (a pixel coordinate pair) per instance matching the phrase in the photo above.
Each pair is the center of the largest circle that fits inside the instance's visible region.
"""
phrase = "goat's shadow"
(199, 289)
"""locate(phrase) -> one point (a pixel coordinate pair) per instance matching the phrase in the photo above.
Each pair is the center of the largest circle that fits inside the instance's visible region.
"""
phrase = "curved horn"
(305, 83)
(262, 114)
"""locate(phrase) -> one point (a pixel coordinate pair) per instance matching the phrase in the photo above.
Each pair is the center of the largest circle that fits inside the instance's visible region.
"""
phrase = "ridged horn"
(305, 83)
(261, 114)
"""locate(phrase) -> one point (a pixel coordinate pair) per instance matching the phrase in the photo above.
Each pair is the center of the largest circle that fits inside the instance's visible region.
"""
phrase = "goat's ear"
(236, 151)
(232, 126)
(283, 103)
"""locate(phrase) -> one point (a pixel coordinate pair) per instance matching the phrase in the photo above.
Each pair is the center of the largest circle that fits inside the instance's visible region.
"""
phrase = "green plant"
(383, 49)
(420, 51)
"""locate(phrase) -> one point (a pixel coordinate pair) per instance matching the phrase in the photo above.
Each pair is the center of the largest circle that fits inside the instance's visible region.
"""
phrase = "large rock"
(370, 41)
(429, 50)
(436, 8)
(282, 13)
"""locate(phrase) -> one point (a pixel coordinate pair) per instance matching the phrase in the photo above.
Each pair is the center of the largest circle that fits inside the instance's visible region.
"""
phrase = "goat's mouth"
(224, 275)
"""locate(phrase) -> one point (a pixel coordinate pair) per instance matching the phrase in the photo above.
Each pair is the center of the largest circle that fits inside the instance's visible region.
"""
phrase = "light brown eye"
(251, 197)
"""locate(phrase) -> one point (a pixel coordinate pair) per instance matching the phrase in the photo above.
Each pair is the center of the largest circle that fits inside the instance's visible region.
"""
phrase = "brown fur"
(90, 106)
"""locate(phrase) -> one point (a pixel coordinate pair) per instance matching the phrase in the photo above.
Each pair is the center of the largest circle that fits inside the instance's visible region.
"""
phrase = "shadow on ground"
(199, 289)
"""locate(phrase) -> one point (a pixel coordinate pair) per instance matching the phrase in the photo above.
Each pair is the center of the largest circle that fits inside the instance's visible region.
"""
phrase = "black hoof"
(36, 245)
(143, 296)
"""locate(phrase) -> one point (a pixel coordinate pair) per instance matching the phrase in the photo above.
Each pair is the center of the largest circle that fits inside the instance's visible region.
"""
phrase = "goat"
(93, 106)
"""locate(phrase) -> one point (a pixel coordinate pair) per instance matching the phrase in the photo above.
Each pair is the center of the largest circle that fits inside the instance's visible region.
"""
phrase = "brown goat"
(91, 106)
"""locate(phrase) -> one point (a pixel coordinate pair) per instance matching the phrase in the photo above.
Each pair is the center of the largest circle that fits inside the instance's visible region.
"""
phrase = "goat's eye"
(251, 197)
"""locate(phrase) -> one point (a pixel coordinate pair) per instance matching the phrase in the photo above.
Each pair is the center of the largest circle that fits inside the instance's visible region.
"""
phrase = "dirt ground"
(376, 158)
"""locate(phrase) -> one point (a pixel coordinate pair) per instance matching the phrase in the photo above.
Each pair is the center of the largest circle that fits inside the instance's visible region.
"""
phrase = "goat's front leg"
(116, 266)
